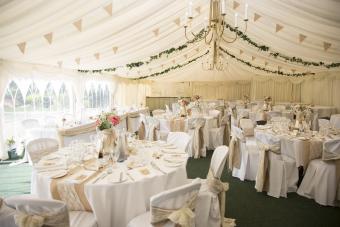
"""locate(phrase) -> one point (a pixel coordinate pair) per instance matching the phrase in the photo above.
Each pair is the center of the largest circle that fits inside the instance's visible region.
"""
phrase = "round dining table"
(117, 192)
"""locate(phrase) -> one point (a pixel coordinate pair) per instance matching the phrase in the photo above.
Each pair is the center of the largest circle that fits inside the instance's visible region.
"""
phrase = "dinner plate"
(174, 159)
(114, 178)
(170, 164)
(59, 174)
(172, 151)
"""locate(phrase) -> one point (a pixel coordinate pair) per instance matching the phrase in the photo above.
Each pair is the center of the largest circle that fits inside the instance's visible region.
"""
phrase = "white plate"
(169, 164)
(59, 174)
(172, 151)
(173, 160)
(114, 178)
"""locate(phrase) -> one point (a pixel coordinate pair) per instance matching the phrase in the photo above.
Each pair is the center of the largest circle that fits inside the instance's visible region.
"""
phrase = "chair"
(245, 155)
(37, 148)
(324, 124)
(335, 121)
(219, 136)
(215, 189)
(180, 139)
(217, 115)
(158, 112)
(122, 126)
(165, 206)
(152, 126)
(6, 215)
(279, 108)
(247, 126)
(277, 174)
(133, 122)
(48, 212)
(79, 132)
(198, 146)
(321, 181)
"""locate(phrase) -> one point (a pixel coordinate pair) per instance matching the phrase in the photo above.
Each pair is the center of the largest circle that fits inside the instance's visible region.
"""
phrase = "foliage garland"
(166, 52)
(172, 68)
(265, 69)
(279, 55)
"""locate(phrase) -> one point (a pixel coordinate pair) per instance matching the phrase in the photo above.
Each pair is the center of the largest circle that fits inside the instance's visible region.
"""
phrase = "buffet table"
(116, 192)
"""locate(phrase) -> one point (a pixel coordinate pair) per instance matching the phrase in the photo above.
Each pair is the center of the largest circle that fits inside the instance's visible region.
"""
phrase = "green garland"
(279, 55)
(171, 68)
(166, 52)
(265, 69)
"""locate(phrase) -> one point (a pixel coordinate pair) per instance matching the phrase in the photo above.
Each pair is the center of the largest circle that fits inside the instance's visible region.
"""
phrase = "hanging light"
(213, 31)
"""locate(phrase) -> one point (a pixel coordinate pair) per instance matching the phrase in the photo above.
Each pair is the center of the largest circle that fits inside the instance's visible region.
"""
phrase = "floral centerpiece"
(183, 104)
(303, 113)
(267, 103)
(105, 124)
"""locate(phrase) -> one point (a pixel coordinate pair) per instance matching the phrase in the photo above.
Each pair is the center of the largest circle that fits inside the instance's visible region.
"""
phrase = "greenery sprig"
(265, 69)
(276, 54)
(167, 70)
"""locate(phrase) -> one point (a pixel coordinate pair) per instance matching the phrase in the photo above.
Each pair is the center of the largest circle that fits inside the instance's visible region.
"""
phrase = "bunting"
(156, 32)
(108, 9)
(302, 38)
(78, 25)
(177, 21)
(326, 46)
(49, 37)
(114, 49)
(97, 56)
(235, 5)
(77, 60)
(278, 27)
(256, 17)
(22, 47)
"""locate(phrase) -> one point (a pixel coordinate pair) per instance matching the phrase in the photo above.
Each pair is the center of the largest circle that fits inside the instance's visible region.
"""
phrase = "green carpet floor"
(249, 208)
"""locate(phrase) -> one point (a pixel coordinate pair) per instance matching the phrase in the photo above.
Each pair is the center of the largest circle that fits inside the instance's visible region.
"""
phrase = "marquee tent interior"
(63, 63)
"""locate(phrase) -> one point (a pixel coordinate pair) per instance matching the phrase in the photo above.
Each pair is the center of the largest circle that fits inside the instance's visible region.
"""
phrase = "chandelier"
(213, 32)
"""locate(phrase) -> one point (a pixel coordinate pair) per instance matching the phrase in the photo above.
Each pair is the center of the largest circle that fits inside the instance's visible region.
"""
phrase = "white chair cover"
(6, 215)
(152, 128)
(195, 126)
(175, 206)
(279, 108)
(122, 126)
(248, 157)
(335, 121)
(217, 115)
(38, 148)
(324, 124)
(321, 182)
(331, 150)
(133, 121)
(48, 212)
(180, 139)
(158, 112)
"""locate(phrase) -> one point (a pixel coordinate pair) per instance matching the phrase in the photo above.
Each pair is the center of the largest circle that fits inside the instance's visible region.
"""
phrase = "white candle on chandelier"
(246, 12)
(223, 8)
(190, 10)
(236, 16)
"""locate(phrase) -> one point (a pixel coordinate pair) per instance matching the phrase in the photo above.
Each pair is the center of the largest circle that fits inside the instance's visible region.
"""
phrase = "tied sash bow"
(234, 159)
(263, 163)
(183, 216)
(38, 220)
(198, 138)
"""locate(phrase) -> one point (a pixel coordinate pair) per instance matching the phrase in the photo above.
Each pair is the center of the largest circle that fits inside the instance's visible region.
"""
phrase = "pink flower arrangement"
(107, 120)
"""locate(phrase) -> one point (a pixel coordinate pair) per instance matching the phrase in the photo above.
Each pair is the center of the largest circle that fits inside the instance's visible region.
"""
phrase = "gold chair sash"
(183, 216)
(263, 164)
(38, 220)
(234, 159)
(75, 131)
(141, 131)
(198, 139)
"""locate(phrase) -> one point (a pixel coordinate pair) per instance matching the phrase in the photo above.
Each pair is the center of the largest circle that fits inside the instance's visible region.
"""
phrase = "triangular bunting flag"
(278, 27)
(326, 46)
(302, 38)
(265, 63)
(97, 56)
(77, 60)
(279, 68)
(293, 70)
(235, 4)
(22, 47)
(60, 63)
(177, 21)
(252, 58)
(156, 31)
(49, 37)
(108, 9)
(197, 49)
(162, 66)
(198, 9)
(185, 56)
(174, 61)
(256, 16)
(115, 49)
(241, 51)
(77, 24)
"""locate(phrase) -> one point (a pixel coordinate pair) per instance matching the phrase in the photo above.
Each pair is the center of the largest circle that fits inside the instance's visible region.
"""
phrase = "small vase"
(108, 141)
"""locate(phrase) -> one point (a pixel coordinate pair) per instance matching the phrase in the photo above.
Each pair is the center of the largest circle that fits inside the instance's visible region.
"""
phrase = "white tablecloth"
(300, 148)
(115, 204)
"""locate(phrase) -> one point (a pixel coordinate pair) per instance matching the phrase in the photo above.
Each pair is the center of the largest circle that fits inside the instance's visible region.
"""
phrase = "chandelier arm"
(205, 38)
(232, 41)
(222, 28)
(246, 26)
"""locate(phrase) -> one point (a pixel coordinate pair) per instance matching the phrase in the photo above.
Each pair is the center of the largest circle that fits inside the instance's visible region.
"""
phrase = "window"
(33, 99)
(50, 99)
(64, 99)
(97, 96)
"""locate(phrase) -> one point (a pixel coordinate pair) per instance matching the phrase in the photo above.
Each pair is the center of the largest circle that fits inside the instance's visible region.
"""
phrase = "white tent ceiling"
(81, 34)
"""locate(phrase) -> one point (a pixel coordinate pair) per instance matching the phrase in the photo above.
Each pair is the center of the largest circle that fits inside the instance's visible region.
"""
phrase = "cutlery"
(130, 177)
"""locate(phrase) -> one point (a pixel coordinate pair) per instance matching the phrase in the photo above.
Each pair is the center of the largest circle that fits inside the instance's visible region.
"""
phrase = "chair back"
(247, 126)
(30, 123)
(158, 112)
(49, 212)
(324, 124)
(218, 160)
(175, 198)
(335, 121)
(331, 150)
(179, 139)
(37, 148)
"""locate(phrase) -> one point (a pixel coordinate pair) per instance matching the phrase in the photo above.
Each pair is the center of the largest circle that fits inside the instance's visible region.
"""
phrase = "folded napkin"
(80, 177)
(53, 167)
